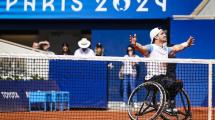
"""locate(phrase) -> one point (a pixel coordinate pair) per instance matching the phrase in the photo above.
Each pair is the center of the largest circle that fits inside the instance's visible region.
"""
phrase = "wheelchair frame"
(152, 109)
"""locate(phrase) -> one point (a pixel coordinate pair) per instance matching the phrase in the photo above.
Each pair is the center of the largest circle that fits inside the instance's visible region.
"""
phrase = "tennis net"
(68, 87)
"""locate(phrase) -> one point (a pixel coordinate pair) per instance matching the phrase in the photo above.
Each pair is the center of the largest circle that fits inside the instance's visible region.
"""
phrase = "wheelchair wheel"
(183, 108)
(150, 101)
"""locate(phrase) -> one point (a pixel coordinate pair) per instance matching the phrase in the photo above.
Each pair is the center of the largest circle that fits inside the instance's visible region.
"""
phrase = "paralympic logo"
(121, 5)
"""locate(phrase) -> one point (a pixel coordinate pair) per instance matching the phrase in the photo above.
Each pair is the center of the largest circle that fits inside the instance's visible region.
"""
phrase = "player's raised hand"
(133, 39)
(190, 41)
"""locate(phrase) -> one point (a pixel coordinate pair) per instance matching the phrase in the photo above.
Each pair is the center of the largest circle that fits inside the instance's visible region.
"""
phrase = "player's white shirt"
(128, 68)
(156, 68)
(87, 53)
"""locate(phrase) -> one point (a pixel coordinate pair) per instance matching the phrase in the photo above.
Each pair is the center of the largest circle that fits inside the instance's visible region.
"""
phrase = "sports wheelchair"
(153, 103)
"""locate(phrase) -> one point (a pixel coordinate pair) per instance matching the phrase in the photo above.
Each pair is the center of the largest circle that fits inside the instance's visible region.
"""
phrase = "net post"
(210, 82)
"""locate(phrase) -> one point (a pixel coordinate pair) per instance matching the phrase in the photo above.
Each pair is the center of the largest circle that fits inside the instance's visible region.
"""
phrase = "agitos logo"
(121, 5)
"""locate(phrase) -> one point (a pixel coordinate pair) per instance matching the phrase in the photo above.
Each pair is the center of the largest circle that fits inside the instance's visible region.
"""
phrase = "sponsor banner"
(14, 94)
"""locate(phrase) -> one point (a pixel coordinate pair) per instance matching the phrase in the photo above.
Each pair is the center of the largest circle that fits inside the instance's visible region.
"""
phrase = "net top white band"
(107, 58)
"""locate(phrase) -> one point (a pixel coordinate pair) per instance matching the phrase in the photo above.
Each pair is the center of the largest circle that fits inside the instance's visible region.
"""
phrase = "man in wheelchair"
(158, 72)
(172, 87)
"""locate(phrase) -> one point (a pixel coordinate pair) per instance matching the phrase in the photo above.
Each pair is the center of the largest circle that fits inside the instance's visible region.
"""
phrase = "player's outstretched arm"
(182, 46)
(142, 49)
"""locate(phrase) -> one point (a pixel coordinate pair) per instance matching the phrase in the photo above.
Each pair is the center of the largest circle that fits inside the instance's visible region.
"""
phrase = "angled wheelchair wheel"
(183, 108)
(146, 101)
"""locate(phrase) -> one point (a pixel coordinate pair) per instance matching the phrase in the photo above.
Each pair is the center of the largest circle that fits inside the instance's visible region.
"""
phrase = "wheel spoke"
(184, 106)
(148, 109)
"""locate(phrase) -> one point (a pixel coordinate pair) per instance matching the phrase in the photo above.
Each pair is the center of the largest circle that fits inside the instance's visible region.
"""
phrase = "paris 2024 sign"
(95, 9)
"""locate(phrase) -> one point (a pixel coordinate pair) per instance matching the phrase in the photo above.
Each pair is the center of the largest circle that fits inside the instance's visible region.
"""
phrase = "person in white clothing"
(45, 46)
(158, 49)
(129, 73)
(84, 50)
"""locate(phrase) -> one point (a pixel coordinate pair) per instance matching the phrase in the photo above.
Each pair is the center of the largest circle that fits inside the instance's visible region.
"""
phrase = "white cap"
(154, 32)
(84, 43)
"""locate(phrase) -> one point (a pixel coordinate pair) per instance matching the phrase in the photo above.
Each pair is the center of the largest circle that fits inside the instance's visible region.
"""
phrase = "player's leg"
(125, 90)
(132, 86)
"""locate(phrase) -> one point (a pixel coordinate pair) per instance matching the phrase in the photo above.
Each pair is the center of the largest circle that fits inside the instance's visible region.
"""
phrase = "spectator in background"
(84, 50)
(35, 45)
(45, 45)
(65, 49)
(129, 73)
(99, 50)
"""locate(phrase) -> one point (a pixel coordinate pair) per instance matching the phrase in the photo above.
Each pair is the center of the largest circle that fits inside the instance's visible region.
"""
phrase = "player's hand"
(190, 41)
(133, 39)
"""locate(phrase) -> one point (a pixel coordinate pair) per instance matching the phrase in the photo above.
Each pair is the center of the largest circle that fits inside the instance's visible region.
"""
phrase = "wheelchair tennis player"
(157, 72)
